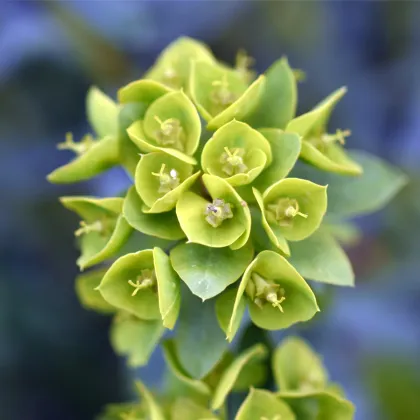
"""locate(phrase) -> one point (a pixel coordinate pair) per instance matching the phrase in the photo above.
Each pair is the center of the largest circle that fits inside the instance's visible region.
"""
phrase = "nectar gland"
(233, 161)
(262, 292)
(146, 280)
(167, 181)
(217, 212)
(80, 147)
(284, 211)
(170, 133)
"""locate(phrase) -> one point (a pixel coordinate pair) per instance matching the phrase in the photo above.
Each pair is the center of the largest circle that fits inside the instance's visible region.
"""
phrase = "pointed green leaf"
(332, 158)
(191, 212)
(242, 107)
(285, 149)
(199, 340)
(186, 409)
(317, 405)
(264, 405)
(100, 157)
(307, 197)
(236, 137)
(116, 290)
(296, 367)
(370, 192)
(214, 88)
(91, 209)
(325, 155)
(232, 373)
(274, 232)
(89, 297)
(316, 119)
(349, 197)
(277, 105)
(173, 64)
(162, 225)
(168, 288)
(135, 338)
(346, 233)
(226, 310)
(208, 271)
(185, 384)
(155, 412)
(321, 258)
(102, 113)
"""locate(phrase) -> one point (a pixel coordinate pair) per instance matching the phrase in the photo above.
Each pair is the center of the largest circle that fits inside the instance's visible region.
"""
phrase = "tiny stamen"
(80, 147)
(221, 96)
(284, 211)
(145, 280)
(262, 291)
(170, 133)
(217, 212)
(168, 181)
(339, 136)
(233, 161)
(85, 228)
(243, 64)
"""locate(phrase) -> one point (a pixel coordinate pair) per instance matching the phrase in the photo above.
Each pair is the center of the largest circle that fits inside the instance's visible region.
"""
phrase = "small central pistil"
(217, 212)
(233, 161)
(170, 133)
(167, 181)
(284, 211)
(262, 292)
(146, 280)
(221, 95)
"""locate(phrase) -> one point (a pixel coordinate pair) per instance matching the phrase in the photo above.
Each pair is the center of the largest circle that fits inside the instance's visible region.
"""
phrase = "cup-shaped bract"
(223, 220)
(103, 229)
(171, 124)
(145, 285)
(264, 405)
(296, 367)
(221, 93)
(160, 179)
(322, 149)
(161, 225)
(292, 209)
(237, 153)
(173, 65)
(277, 295)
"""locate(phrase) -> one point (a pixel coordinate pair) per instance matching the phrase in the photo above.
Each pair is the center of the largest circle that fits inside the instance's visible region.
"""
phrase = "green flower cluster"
(209, 149)
(302, 389)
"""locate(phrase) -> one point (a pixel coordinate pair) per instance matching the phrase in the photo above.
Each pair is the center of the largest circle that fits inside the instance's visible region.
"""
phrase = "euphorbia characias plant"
(235, 204)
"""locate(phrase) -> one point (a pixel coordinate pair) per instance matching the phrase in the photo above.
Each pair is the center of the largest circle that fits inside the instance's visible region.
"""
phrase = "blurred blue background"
(55, 358)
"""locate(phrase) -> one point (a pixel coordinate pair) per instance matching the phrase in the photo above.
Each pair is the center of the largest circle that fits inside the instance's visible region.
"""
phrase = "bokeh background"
(55, 358)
